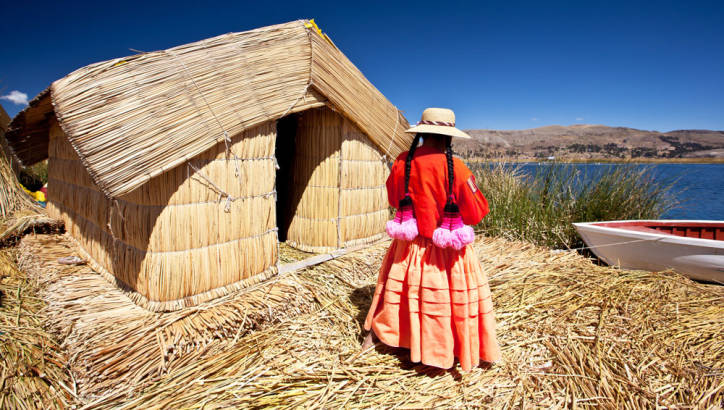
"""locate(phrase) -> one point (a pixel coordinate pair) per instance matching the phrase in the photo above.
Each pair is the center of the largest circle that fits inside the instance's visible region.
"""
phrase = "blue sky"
(502, 65)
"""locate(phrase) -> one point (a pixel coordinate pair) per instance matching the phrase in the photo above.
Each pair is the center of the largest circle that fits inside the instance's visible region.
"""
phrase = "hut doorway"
(330, 183)
(284, 153)
(307, 150)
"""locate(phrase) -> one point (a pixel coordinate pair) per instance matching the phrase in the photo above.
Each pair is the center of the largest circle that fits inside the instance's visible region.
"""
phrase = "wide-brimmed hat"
(438, 121)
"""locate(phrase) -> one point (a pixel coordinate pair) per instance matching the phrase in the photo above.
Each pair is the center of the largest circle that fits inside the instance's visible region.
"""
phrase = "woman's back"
(428, 189)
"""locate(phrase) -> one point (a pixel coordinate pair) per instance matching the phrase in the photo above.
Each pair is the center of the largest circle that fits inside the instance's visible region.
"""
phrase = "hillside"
(592, 142)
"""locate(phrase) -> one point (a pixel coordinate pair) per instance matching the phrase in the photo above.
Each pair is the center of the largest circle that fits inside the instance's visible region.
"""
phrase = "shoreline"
(692, 161)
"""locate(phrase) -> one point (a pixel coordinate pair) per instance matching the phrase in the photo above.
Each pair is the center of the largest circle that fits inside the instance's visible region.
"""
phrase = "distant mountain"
(592, 142)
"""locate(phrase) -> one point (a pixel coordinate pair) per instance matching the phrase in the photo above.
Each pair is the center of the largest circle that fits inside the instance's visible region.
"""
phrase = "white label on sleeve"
(471, 184)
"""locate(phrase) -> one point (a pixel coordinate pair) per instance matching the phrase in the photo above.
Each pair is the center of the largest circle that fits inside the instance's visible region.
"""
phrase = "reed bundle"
(24, 222)
(12, 196)
(573, 334)
(131, 119)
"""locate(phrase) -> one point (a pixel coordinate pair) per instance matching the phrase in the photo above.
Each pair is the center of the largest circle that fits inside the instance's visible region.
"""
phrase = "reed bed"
(541, 207)
(289, 254)
(573, 334)
(116, 346)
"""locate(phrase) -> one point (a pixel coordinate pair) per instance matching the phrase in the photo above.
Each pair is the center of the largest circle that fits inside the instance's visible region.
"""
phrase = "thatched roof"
(27, 134)
(133, 118)
(12, 197)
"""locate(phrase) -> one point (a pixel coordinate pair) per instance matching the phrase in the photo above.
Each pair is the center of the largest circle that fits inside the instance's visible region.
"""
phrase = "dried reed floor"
(288, 254)
(32, 364)
(573, 334)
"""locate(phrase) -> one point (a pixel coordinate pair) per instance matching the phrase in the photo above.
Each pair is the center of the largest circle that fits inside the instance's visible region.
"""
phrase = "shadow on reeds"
(361, 298)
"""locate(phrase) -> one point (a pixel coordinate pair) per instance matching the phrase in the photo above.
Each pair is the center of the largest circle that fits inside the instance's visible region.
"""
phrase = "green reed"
(540, 208)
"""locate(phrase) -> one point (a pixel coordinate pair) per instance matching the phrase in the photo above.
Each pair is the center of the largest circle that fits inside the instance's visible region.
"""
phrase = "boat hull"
(700, 259)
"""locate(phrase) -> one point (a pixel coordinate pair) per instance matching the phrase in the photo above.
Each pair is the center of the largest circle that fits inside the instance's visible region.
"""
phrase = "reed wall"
(364, 207)
(315, 191)
(338, 185)
(176, 241)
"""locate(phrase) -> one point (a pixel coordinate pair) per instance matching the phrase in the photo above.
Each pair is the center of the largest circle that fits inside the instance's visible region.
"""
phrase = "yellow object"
(311, 24)
(37, 195)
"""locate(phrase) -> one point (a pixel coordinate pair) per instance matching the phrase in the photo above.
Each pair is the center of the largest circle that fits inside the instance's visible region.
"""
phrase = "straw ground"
(33, 371)
(573, 334)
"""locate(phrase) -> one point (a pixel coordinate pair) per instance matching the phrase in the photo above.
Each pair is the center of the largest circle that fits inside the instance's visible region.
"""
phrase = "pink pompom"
(441, 237)
(393, 229)
(465, 235)
(455, 242)
(453, 233)
(408, 230)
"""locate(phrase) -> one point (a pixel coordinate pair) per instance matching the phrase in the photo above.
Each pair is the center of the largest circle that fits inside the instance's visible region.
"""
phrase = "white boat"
(693, 248)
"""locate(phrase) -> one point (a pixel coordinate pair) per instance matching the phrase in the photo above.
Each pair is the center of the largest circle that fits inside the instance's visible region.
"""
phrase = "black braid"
(408, 161)
(450, 167)
(450, 206)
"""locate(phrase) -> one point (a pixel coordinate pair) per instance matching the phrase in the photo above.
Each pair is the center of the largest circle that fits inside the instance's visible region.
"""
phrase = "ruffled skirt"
(435, 302)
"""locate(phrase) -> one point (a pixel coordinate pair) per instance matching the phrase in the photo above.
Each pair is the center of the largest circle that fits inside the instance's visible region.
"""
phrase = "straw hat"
(438, 121)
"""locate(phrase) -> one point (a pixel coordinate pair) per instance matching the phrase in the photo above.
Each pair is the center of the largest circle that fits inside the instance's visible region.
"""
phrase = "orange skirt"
(435, 302)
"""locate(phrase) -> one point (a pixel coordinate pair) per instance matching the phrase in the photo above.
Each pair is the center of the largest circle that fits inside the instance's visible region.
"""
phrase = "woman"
(432, 296)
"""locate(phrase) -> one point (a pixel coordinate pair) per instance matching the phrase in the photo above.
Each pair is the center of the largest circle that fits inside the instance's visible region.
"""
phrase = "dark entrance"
(284, 152)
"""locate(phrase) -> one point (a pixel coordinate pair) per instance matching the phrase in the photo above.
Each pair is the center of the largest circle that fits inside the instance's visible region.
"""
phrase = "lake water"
(699, 187)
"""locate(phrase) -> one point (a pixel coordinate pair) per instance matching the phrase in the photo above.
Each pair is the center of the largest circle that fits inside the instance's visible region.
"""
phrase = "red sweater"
(428, 189)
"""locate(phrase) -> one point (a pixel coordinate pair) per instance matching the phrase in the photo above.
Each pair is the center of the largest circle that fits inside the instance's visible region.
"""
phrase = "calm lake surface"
(699, 187)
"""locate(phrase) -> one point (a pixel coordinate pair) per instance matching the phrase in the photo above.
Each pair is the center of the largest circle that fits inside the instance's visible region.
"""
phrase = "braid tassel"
(452, 232)
(404, 226)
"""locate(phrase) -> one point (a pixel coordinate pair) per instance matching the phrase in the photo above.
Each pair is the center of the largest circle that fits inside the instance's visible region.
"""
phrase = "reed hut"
(179, 171)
